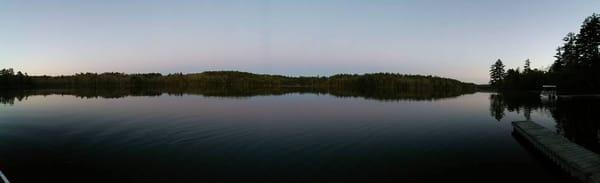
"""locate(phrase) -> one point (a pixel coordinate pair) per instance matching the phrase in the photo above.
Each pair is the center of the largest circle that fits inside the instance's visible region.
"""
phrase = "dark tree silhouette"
(577, 64)
(376, 85)
(527, 66)
(497, 73)
(8, 79)
(576, 68)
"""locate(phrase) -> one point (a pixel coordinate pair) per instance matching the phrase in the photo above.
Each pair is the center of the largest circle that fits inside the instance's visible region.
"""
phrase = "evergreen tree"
(559, 63)
(527, 66)
(497, 73)
(587, 42)
(578, 59)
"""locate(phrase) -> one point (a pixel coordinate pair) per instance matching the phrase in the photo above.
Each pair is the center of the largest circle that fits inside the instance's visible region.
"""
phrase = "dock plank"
(573, 158)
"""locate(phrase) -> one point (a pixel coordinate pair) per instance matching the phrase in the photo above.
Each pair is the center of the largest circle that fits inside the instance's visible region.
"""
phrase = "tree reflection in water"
(514, 102)
(577, 117)
(497, 106)
(9, 96)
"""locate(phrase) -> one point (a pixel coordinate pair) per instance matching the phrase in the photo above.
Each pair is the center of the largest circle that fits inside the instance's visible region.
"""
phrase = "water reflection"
(10, 96)
(497, 106)
(577, 117)
(305, 138)
(522, 103)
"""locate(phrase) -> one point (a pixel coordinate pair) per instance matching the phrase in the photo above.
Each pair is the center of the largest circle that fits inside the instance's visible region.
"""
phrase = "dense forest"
(234, 79)
(576, 67)
(234, 83)
(10, 79)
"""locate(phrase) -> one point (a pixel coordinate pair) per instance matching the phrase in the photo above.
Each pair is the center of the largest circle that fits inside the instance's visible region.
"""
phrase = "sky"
(458, 39)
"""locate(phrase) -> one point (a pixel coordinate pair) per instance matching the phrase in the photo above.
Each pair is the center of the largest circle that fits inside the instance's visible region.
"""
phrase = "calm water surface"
(281, 138)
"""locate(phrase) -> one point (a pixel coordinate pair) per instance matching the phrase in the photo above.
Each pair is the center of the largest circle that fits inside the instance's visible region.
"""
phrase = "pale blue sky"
(457, 39)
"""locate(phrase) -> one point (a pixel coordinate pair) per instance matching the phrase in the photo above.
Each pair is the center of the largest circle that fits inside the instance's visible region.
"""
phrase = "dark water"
(288, 137)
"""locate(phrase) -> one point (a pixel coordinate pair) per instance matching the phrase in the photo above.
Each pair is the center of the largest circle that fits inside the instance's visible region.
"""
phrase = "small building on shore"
(549, 92)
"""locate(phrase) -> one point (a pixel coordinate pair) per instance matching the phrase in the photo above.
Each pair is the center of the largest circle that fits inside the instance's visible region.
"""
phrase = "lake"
(285, 137)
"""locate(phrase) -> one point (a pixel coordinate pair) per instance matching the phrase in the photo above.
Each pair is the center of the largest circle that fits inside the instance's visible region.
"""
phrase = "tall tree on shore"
(527, 66)
(576, 68)
(497, 73)
(588, 42)
(578, 59)
(567, 54)
(559, 63)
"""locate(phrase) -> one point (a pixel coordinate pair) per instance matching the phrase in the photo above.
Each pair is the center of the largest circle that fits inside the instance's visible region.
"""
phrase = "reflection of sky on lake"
(299, 136)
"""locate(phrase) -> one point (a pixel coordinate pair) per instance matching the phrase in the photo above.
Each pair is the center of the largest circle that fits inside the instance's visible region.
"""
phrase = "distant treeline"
(380, 86)
(576, 67)
(10, 79)
(367, 83)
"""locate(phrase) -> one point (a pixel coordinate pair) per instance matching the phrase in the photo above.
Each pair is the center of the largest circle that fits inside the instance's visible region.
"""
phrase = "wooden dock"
(574, 159)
